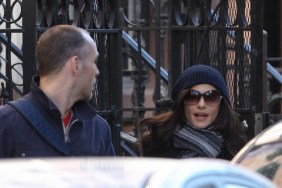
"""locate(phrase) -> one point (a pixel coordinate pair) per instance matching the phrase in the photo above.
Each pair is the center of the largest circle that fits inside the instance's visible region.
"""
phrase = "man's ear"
(76, 64)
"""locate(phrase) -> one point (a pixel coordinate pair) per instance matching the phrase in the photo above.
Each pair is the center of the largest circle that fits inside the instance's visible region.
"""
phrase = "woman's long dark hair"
(159, 129)
(158, 132)
(230, 126)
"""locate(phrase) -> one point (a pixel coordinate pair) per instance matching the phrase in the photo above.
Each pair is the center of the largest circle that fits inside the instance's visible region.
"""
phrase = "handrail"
(274, 72)
(128, 138)
(269, 67)
(145, 56)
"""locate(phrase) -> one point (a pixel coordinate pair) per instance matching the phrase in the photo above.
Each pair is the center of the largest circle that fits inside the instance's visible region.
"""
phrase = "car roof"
(272, 134)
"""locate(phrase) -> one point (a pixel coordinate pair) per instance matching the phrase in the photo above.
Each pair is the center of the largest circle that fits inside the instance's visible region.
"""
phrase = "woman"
(202, 122)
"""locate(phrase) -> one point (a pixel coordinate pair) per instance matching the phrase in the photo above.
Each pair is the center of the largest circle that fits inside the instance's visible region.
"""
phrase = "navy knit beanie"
(200, 74)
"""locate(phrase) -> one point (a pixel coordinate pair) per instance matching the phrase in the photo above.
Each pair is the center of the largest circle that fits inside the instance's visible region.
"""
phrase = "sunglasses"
(211, 97)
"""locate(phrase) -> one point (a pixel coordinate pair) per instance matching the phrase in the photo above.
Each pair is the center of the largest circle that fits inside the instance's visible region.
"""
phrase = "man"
(62, 123)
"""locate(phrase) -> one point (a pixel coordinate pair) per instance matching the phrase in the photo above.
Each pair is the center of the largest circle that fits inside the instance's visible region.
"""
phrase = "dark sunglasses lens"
(192, 97)
(212, 97)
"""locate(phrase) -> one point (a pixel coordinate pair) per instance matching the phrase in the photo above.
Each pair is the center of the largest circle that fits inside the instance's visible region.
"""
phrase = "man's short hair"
(56, 45)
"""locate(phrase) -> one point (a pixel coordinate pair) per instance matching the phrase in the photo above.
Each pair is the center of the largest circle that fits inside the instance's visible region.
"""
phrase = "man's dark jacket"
(88, 136)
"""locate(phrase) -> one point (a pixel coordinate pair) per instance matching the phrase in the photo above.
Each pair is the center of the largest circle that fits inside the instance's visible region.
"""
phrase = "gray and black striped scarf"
(193, 142)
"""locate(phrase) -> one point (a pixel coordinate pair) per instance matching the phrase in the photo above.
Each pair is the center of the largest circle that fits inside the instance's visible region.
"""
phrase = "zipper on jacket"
(67, 129)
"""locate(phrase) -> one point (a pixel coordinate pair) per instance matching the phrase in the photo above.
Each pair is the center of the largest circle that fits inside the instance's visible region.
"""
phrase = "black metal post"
(29, 42)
